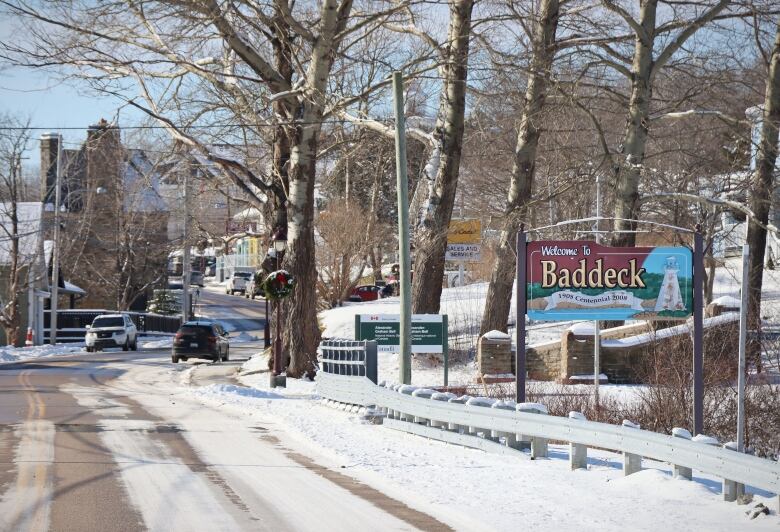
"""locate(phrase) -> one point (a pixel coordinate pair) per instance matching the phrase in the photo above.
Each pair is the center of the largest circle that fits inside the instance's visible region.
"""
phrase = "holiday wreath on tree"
(278, 284)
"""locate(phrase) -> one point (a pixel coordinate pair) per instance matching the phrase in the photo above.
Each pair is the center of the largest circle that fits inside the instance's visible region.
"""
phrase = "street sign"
(464, 240)
(429, 332)
(464, 252)
(465, 231)
(582, 280)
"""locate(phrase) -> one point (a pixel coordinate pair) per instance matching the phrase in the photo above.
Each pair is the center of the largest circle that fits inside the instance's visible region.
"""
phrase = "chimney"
(49, 146)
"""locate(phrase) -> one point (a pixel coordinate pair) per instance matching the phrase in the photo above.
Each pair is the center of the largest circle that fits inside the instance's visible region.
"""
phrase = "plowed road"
(99, 442)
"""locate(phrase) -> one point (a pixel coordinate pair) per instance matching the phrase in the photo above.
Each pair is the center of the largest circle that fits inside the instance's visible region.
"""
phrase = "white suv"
(237, 282)
(111, 330)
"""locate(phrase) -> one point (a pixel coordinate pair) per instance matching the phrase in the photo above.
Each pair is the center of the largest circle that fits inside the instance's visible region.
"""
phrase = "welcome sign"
(582, 280)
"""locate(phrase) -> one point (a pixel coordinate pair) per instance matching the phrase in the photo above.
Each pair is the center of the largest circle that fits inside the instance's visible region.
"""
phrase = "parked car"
(367, 292)
(175, 283)
(196, 278)
(254, 287)
(200, 339)
(237, 282)
(111, 330)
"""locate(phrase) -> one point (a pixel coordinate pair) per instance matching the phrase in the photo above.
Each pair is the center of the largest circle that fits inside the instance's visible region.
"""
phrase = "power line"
(194, 126)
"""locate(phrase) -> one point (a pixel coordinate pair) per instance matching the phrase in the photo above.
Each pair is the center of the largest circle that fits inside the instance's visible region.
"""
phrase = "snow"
(681, 433)
(707, 440)
(668, 332)
(584, 328)
(602, 377)
(496, 335)
(727, 301)
(16, 354)
(160, 343)
(458, 485)
(243, 337)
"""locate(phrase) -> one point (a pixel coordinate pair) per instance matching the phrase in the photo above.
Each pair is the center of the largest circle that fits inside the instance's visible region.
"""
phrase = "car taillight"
(179, 336)
(211, 339)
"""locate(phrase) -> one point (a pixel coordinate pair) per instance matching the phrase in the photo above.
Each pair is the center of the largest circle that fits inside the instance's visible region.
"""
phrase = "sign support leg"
(698, 333)
(521, 312)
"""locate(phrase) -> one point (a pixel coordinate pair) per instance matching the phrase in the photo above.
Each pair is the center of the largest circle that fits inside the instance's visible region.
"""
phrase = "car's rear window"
(245, 275)
(108, 322)
(197, 329)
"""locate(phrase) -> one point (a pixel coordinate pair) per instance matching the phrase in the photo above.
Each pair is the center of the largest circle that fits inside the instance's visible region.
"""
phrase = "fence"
(72, 324)
(506, 428)
(349, 358)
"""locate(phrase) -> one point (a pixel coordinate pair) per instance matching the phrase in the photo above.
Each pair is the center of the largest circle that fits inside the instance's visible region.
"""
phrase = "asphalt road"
(108, 442)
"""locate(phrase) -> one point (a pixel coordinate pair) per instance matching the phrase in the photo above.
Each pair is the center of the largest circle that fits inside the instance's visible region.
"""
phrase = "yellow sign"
(468, 231)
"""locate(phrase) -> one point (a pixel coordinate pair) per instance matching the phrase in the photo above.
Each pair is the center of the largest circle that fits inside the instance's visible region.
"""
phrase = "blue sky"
(51, 104)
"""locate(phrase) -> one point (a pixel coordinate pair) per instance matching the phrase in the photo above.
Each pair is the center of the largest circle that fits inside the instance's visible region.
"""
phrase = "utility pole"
(405, 367)
(55, 253)
(185, 265)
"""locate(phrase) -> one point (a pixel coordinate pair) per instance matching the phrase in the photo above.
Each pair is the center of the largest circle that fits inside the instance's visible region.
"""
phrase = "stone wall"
(624, 349)
(494, 354)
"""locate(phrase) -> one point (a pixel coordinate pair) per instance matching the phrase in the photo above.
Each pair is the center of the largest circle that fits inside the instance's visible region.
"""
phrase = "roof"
(142, 184)
(28, 230)
(250, 214)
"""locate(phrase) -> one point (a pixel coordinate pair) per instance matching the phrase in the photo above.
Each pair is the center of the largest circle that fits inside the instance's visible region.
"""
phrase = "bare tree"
(650, 54)
(763, 182)
(544, 25)
(18, 228)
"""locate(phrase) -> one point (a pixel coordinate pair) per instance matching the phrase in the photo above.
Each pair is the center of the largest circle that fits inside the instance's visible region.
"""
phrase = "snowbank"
(16, 354)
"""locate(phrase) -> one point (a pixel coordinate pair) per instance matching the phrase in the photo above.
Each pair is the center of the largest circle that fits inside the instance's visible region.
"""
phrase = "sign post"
(698, 332)
(522, 308)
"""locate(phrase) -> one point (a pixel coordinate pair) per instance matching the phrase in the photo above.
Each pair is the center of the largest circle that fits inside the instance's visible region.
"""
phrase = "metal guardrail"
(442, 416)
(349, 357)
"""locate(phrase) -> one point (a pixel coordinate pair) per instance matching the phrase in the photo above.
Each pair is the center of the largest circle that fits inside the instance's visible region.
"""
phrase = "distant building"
(111, 214)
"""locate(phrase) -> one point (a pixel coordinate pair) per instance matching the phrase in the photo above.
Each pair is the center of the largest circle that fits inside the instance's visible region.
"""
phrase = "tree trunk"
(303, 333)
(635, 137)
(499, 296)
(761, 190)
(431, 239)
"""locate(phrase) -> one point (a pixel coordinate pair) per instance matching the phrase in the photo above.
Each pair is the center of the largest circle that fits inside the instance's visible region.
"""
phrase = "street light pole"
(280, 245)
(185, 264)
(55, 253)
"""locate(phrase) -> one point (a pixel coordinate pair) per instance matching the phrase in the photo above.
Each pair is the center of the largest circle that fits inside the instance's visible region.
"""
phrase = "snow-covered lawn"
(471, 489)
(464, 307)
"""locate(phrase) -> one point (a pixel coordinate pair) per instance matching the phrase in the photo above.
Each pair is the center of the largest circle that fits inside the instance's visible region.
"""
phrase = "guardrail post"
(632, 463)
(510, 439)
(460, 401)
(578, 453)
(538, 445)
(678, 470)
(578, 456)
(423, 394)
(732, 490)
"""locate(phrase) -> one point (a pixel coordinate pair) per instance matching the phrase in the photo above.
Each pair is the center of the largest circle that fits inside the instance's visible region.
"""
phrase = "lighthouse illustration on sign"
(669, 297)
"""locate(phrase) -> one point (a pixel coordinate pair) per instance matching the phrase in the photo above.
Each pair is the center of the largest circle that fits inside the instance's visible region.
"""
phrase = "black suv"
(200, 339)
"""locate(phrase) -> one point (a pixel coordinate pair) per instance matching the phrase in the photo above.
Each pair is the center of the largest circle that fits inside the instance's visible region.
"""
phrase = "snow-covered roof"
(250, 214)
(142, 184)
(29, 231)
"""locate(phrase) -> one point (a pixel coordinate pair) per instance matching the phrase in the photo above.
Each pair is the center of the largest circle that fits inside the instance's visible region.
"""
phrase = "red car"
(367, 292)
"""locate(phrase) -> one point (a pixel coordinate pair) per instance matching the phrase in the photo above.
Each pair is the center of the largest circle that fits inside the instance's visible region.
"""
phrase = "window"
(108, 322)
